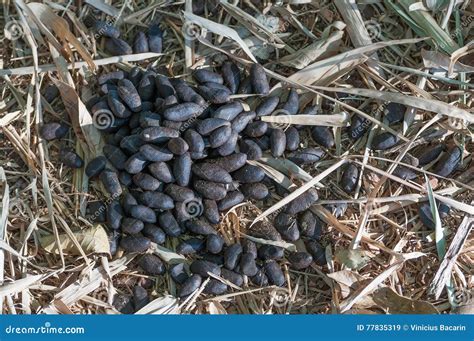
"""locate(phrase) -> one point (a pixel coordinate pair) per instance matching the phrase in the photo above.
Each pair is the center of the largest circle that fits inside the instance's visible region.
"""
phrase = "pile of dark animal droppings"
(174, 146)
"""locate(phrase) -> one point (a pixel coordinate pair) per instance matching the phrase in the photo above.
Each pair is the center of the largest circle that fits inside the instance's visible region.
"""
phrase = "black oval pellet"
(232, 162)
(267, 106)
(231, 75)
(251, 149)
(200, 226)
(96, 166)
(310, 225)
(405, 173)
(210, 190)
(247, 265)
(448, 163)
(53, 130)
(430, 154)
(249, 246)
(154, 233)
(140, 297)
(114, 215)
(214, 95)
(102, 28)
(190, 246)
(179, 193)
(216, 259)
(256, 129)
(228, 111)
(291, 105)
(158, 134)
(384, 141)
(220, 136)
(146, 86)
(128, 201)
(132, 226)
(260, 279)
(177, 146)
(135, 163)
(211, 172)
(290, 233)
(323, 136)
(169, 224)
(232, 277)
(96, 211)
(156, 199)
(232, 256)
(190, 285)
(111, 183)
(130, 145)
(306, 156)
(277, 142)
(214, 243)
(182, 169)
(161, 171)
(426, 216)
(394, 112)
(231, 199)
(274, 273)
(187, 94)
(207, 126)
(116, 105)
(146, 182)
(115, 156)
(135, 244)
(242, 120)
(302, 202)
(211, 211)
(183, 112)
(129, 94)
(155, 153)
(204, 76)
(228, 147)
(215, 287)
(300, 260)
(140, 43)
(194, 141)
(203, 268)
(70, 158)
(155, 39)
(259, 80)
(255, 191)
(349, 178)
(292, 139)
(359, 126)
(178, 273)
(267, 252)
(143, 213)
(117, 47)
(317, 251)
(249, 174)
(164, 87)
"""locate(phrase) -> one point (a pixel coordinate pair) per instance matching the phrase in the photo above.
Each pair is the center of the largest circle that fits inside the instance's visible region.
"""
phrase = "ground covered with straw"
(350, 59)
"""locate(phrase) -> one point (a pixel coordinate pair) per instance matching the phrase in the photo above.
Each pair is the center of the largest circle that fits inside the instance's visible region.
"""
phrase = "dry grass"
(377, 242)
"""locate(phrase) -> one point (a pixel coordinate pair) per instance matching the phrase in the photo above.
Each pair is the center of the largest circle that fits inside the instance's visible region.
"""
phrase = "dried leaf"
(167, 255)
(353, 259)
(92, 240)
(393, 303)
(161, 306)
